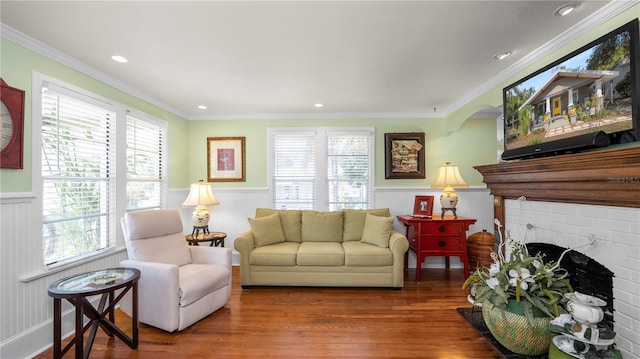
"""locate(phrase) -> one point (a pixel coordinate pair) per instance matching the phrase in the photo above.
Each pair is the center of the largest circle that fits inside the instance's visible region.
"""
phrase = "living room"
(466, 137)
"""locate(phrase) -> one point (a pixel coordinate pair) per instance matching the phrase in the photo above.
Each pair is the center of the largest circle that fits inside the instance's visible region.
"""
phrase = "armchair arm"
(210, 255)
(158, 292)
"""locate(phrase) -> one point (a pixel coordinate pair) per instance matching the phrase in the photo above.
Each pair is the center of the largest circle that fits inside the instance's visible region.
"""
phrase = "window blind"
(146, 179)
(323, 169)
(77, 176)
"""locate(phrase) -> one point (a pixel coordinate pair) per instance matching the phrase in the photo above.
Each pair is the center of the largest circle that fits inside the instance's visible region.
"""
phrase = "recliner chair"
(179, 284)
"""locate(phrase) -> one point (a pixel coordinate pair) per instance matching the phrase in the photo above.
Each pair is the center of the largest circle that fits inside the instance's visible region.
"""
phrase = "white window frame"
(322, 134)
(119, 197)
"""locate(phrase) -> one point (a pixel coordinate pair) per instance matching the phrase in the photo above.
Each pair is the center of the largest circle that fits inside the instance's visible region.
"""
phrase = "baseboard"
(39, 338)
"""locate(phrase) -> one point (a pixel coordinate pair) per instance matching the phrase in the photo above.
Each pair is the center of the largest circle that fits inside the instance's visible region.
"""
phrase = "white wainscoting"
(26, 310)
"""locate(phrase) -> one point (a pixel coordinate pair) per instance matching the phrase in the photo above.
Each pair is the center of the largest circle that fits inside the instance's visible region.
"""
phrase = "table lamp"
(449, 178)
(200, 197)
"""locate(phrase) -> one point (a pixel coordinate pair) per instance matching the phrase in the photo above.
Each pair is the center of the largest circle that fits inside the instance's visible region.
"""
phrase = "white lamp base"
(448, 201)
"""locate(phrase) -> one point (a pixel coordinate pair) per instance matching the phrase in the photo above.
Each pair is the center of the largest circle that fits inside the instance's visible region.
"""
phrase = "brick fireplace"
(569, 200)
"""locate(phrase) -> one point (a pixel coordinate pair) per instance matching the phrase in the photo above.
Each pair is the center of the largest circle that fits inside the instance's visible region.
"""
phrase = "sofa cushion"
(198, 280)
(377, 230)
(321, 226)
(320, 254)
(280, 254)
(358, 254)
(266, 230)
(290, 220)
(354, 222)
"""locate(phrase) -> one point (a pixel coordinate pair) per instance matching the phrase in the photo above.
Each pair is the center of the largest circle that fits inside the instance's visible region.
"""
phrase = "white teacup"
(585, 313)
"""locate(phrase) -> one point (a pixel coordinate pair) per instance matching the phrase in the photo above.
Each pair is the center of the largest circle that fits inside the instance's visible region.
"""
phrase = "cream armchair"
(179, 284)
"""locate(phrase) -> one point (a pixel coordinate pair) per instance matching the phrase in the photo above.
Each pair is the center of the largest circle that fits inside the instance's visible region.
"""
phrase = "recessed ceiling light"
(118, 58)
(202, 107)
(318, 105)
(502, 55)
(565, 10)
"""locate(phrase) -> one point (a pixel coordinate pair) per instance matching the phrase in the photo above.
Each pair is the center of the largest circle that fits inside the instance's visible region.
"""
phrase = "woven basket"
(515, 333)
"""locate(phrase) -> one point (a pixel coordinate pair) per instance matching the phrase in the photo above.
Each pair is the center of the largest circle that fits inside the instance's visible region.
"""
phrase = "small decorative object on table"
(582, 335)
(520, 295)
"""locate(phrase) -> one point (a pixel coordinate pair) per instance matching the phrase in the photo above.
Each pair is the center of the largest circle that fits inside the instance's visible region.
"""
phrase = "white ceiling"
(267, 59)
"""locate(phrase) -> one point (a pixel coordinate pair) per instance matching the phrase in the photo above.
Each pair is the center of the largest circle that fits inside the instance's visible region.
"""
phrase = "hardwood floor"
(419, 321)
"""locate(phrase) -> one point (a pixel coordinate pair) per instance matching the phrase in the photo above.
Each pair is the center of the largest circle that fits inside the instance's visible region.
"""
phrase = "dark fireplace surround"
(586, 275)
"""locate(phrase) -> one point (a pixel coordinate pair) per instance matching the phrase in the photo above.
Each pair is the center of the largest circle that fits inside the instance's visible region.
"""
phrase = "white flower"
(494, 269)
(523, 276)
(537, 264)
(492, 282)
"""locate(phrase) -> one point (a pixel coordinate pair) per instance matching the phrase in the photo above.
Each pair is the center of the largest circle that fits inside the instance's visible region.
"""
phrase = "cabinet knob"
(442, 228)
(442, 244)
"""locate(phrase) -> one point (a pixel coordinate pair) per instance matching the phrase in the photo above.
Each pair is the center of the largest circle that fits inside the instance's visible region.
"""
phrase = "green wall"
(472, 144)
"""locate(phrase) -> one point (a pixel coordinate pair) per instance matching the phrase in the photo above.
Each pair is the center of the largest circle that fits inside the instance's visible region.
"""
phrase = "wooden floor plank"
(419, 321)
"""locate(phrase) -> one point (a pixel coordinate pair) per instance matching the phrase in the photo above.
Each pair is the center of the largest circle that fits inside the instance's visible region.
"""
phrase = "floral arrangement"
(526, 278)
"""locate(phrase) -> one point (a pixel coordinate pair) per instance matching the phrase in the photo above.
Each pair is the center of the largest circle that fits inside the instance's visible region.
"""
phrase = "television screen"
(588, 98)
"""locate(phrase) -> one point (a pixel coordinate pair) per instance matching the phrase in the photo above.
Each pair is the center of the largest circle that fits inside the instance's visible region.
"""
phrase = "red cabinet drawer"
(442, 228)
(453, 244)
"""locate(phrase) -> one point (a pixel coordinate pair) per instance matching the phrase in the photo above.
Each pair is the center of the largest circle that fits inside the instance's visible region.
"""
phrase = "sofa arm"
(399, 245)
(158, 294)
(244, 244)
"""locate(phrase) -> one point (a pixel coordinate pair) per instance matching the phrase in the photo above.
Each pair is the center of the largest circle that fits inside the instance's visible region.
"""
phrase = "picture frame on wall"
(11, 126)
(423, 206)
(226, 159)
(404, 155)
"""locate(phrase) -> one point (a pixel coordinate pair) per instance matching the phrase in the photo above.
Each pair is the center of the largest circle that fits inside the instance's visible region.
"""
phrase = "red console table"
(436, 237)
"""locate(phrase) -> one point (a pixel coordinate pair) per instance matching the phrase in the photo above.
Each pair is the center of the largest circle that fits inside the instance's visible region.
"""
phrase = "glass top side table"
(76, 290)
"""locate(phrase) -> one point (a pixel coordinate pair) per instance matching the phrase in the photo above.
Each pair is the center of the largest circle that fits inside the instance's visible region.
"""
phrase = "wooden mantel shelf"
(607, 177)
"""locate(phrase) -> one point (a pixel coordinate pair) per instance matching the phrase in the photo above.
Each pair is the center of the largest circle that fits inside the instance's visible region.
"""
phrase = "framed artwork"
(11, 126)
(404, 155)
(225, 159)
(423, 206)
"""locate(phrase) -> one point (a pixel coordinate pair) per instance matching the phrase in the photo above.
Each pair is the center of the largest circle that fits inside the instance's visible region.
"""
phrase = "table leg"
(134, 317)
(57, 328)
(79, 339)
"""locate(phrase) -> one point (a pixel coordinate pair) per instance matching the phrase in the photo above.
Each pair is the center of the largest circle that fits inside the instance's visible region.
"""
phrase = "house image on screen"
(567, 93)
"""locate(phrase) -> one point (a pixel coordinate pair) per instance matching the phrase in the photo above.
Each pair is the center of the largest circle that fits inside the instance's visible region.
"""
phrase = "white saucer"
(586, 299)
(556, 341)
(603, 342)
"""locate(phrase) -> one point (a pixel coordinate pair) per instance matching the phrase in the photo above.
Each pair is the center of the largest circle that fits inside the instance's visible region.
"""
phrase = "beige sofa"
(349, 248)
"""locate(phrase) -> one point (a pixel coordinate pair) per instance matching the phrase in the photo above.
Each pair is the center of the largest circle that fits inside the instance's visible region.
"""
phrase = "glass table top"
(93, 280)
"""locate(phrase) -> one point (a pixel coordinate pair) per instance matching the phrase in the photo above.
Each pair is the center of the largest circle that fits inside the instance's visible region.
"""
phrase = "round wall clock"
(11, 126)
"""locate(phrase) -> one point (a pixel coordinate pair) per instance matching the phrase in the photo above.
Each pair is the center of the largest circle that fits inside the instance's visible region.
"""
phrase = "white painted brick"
(617, 248)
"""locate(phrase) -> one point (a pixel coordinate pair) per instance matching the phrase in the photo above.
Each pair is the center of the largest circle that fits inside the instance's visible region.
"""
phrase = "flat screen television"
(587, 99)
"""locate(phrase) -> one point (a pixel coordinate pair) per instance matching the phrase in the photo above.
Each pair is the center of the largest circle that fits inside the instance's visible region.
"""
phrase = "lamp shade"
(449, 176)
(200, 195)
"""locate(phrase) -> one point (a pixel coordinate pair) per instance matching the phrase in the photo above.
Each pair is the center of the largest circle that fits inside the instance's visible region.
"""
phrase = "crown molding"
(24, 40)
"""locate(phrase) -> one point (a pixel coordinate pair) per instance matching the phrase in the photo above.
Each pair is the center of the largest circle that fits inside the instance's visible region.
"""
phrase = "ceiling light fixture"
(502, 55)
(202, 107)
(565, 10)
(120, 59)
(318, 105)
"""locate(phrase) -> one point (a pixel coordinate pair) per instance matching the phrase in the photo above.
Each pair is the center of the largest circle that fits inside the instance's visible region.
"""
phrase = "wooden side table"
(216, 239)
(437, 237)
(76, 289)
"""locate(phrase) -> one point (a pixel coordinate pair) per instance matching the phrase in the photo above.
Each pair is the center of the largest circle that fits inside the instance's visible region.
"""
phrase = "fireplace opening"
(586, 275)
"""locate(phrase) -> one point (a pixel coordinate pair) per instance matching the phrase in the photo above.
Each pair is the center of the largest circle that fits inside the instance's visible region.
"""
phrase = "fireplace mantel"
(607, 177)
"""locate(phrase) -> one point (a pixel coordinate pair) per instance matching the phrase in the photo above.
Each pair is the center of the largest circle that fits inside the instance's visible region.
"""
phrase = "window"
(77, 175)
(95, 162)
(322, 168)
(145, 164)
